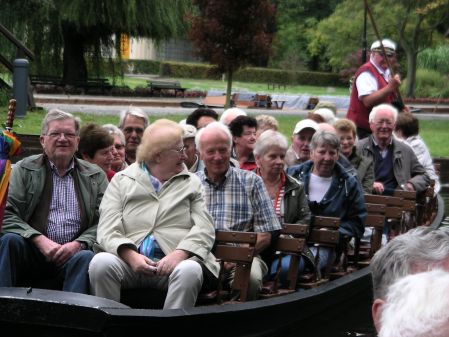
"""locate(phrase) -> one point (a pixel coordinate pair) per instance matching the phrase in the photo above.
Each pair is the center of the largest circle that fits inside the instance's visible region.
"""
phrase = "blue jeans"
(325, 255)
(22, 263)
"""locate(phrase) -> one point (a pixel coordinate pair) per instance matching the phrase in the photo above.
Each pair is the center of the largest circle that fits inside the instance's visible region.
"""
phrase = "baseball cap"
(304, 124)
(189, 131)
(389, 46)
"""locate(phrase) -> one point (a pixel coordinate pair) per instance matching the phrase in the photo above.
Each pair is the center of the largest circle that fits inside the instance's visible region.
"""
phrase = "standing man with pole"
(373, 85)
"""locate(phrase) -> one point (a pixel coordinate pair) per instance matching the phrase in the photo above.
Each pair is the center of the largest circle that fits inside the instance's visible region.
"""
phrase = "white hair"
(212, 126)
(136, 112)
(388, 107)
(420, 249)
(417, 306)
(229, 114)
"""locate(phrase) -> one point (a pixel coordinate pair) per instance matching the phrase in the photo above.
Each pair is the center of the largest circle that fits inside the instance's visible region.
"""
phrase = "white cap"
(327, 114)
(387, 43)
(304, 124)
(189, 131)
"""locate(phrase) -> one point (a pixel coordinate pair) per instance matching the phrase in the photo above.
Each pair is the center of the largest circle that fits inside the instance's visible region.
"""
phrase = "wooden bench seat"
(92, 85)
(323, 234)
(159, 87)
(238, 248)
(291, 242)
(46, 80)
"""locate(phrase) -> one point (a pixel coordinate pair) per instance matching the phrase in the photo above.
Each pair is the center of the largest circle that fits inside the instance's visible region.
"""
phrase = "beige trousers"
(109, 274)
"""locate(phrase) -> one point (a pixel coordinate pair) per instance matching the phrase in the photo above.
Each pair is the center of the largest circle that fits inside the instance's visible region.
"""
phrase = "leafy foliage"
(295, 21)
(232, 34)
(435, 59)
(62, 33)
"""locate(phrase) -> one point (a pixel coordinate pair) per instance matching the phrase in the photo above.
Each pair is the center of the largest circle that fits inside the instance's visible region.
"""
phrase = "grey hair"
(133, 111)
(416, 306)
(213, 126)
(419, 249)
(113, 130)
(59, 115)
(325, 138)
(267, 139)
(388, 107)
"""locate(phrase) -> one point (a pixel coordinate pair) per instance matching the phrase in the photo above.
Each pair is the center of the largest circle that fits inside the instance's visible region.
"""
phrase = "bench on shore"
(101, 85)
(92, 84)
(158, 87)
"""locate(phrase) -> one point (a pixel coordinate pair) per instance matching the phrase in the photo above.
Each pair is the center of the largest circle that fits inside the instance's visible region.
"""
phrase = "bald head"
(327, 127)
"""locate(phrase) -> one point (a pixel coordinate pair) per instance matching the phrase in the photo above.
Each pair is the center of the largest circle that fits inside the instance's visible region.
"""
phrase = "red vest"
(357, 111)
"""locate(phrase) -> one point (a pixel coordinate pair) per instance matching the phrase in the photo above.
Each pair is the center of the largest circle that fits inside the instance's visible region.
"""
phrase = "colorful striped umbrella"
(9, 147)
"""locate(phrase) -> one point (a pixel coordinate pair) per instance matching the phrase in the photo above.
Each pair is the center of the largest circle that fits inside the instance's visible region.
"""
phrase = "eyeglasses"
(179, 151)
(58, 135)
(131, 130)
(383, 122)
(119, 146)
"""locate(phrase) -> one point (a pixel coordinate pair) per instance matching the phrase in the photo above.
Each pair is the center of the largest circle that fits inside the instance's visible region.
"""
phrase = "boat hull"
(54, 313)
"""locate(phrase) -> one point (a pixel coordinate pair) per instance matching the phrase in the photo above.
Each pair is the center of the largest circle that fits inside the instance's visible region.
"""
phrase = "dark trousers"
(21, 263)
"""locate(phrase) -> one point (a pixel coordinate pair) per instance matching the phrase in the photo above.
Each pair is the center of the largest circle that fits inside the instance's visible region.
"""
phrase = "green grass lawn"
(434, 133)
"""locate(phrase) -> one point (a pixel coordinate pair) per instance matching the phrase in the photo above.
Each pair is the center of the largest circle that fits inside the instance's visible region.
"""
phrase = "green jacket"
(365, 170)
(26, 186)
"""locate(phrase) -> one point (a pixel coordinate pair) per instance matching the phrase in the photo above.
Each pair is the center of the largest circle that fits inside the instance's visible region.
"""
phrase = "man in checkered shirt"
(236, 199)
(51, 215)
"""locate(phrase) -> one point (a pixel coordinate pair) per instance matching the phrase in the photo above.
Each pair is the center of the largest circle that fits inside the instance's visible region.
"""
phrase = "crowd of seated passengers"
(323, 187)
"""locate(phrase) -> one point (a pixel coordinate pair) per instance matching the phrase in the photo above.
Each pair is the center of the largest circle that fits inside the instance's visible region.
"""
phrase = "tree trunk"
(75, 68)
(228, 89)
(411, 73)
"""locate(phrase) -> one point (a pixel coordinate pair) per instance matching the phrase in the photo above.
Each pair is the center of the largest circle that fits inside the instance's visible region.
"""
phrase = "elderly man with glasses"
(373, 84)
(51, 214)
(395, 164)
(133, 122)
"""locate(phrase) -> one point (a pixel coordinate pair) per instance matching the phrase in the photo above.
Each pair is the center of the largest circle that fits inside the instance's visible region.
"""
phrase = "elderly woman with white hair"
(118, 163)
(154, 228)
(289, 199)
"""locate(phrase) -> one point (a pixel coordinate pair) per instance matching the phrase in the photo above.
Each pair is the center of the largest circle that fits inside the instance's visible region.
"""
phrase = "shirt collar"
(70, 167)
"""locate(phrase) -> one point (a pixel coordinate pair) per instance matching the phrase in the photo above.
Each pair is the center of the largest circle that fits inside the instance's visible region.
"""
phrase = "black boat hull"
(54, 313)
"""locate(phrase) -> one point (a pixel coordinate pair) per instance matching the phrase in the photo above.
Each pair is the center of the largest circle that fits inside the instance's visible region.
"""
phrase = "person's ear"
(376, 312)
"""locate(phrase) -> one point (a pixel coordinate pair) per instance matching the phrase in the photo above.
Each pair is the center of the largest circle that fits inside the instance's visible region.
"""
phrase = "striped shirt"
(240, 202)
(64, 217)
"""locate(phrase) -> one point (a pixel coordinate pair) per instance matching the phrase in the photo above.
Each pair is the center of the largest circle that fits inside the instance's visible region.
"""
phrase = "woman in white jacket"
(154, 228)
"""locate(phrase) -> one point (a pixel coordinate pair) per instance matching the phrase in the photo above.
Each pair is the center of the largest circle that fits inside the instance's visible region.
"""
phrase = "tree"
(295, 19)
(232, 34)
(413, 24)
(65, 32)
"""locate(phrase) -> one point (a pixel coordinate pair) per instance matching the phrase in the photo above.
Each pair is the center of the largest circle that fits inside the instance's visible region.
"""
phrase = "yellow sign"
(124, 46)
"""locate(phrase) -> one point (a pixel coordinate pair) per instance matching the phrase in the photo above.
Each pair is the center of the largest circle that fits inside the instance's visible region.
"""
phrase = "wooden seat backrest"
(409, 199)
(324, 231)
(239, 248)
(291, 242)
(392, 206)
(375, 219)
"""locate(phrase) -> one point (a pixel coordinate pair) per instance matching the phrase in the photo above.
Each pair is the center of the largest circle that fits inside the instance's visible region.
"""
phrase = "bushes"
(430, 83)
(258, 75)
(435, 59)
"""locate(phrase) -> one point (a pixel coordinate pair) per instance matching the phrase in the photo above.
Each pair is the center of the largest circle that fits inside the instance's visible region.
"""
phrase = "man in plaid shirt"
(236, 199)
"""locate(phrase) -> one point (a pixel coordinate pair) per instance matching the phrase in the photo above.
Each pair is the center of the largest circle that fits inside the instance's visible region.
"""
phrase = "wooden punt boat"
(46, 313)
(38, 312)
